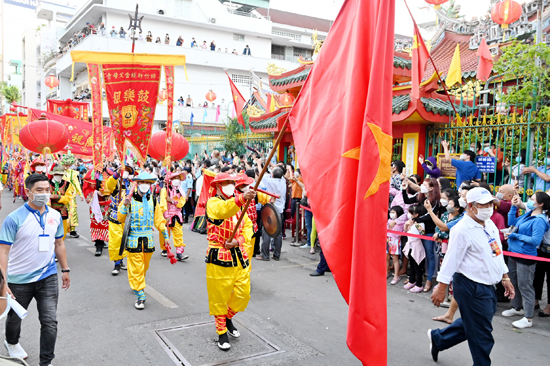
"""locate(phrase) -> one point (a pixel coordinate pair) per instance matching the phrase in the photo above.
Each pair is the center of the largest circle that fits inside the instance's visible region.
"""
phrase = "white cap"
(480, 195)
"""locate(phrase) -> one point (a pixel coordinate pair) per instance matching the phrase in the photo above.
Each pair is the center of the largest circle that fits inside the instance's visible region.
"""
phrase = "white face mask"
(444, 202)
(410, 216)
(40, 199)
(228, 190)
(130, 176)
(500, 195)
(423, 189)
(144, 187)
(484, 214)
(40, 168)
(58, 178)
(393, 215)
(125, 174)
(176, 182)
(463, 157)
(462, 202)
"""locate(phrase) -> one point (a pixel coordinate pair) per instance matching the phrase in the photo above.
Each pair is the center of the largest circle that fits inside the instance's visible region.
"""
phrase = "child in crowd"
(393, 243)
(414, 249)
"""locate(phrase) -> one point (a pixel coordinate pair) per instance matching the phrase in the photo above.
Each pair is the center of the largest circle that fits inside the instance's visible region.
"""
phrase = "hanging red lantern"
(436, 3)
(287, 99)
(162, 95)
(44, 136)
(157, 146)
(506, 12)
(51, 81)
(210, 96)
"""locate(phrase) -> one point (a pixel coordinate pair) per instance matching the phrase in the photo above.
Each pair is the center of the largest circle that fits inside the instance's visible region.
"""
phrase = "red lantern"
(506, 12)
(157, 146)
(210, 96)
(436, 3)
(44, 136)
(51, 81)
(287, 99)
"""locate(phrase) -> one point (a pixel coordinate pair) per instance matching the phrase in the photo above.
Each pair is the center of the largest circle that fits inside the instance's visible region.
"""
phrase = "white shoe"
(15, 350)
(523, 323)
(512, 312)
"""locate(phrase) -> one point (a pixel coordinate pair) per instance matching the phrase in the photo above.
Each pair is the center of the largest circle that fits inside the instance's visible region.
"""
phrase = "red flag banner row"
(69, 108)
(169, 76)
(94, 77)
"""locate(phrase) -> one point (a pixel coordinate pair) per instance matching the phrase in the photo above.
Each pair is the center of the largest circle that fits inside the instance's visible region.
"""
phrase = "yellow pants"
(138, 264)
(227, 287)
(115, 236)
(65, 227)
(177, 233)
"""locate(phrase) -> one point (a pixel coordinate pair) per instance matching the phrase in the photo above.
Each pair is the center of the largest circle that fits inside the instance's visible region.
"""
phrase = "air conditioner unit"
(161, 12)
(213, 20)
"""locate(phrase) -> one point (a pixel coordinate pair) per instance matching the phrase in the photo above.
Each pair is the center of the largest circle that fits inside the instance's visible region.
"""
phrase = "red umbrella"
(157, 146)
(44, 136)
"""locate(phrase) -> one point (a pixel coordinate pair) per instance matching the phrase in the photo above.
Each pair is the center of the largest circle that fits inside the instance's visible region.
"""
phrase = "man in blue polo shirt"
(30, 240)
(466, 168)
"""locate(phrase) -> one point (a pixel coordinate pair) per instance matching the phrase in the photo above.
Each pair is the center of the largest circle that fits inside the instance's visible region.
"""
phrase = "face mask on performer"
(227, 190)
(176, 182)
(125, 174)
(40, 168)
(58, 178)
(144, 187)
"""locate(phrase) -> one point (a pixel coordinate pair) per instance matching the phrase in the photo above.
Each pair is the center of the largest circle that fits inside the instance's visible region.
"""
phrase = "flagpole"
(433, 64)
(271, 153)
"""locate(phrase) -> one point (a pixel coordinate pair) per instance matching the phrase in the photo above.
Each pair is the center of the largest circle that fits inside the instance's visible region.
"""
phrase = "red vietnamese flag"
(420, 56)
(341, 125)
(238, 100)
(485, 65)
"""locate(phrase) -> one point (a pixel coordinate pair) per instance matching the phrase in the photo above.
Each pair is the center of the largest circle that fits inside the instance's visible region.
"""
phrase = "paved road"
(292, 318)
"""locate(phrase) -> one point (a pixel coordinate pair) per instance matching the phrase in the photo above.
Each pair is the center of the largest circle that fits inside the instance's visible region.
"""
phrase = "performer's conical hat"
(36, 162)
(222, 177)
(243, 180)
(145, 177)
(57, 170)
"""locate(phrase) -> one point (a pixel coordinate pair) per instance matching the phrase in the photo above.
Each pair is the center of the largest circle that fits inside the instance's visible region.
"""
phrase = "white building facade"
(225, 24)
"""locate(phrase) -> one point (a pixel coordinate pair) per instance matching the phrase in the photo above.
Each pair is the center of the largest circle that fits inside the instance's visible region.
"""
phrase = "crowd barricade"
(506, 253)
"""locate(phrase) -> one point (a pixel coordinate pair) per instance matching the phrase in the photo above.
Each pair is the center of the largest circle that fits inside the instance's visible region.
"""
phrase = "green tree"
(232, 143)
(10, 92)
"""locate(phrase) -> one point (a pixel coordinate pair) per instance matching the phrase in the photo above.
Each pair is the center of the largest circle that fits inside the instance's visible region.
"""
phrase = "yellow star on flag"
(384, 142)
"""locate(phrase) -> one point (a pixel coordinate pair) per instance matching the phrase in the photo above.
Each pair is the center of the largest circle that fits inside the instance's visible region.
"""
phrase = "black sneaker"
(433, 350)
(74, 234)
(140, 304)
(98, 250)
(123, 266)
(116, 271)
(223, 342)
(180, 257)
(231, 330)
(164, 253)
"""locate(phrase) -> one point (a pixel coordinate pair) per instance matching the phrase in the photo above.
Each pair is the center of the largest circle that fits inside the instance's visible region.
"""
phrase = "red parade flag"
(341, 125)
(420, 56)
(239, 101)
(485, 61)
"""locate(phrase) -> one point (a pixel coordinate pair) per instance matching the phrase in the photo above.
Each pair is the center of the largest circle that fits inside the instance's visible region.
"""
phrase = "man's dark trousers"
(477, 304)
(46, 293)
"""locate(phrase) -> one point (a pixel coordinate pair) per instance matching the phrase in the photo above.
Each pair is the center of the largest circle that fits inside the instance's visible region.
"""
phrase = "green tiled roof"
(270, 122)
(402, 62)
(441, 107)
(465, 75)
(301, 76)
(400, 103)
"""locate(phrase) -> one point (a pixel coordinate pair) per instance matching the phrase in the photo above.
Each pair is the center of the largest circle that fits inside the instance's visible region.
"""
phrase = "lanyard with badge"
(494, 245)
(43, 239)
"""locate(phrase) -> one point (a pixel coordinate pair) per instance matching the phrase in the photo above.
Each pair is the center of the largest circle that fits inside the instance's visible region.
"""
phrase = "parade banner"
(69, 108)
(132, 86)
(94, 77)
(16, 124)
(169, 75)
(80, 134)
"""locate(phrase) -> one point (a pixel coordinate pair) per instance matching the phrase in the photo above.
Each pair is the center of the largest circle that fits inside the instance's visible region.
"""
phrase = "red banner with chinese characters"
(132, 92)
(169, 74)
(69, 108)
(94, 78)
(80, 134)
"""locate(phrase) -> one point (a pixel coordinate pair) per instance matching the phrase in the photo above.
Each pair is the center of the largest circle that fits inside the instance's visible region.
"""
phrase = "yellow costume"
(227, 276)
(71, 176)
(116, 227)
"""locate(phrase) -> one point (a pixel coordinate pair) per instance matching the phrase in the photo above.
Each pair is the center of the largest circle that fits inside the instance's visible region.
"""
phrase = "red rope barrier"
(509, 254)
(306, 208)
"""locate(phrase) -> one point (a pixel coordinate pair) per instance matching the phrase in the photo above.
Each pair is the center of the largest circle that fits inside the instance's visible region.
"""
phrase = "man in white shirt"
(277, 185)
(475, 264)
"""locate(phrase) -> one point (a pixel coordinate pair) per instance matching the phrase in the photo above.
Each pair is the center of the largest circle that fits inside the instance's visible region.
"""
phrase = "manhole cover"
(185, 345)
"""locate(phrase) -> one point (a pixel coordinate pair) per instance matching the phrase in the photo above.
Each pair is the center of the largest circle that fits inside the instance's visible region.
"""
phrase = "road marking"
(151, 291)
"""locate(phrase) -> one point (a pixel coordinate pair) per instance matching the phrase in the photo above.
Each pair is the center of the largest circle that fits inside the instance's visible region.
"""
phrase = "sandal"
(312, 251)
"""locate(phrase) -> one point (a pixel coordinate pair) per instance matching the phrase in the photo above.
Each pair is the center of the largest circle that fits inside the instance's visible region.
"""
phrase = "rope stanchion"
(509, 254)
(306, 208)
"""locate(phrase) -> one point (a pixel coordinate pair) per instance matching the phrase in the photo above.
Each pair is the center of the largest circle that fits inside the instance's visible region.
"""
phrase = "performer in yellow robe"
(115, 226)
(71, 176)
(172, 199)
(227, 276)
